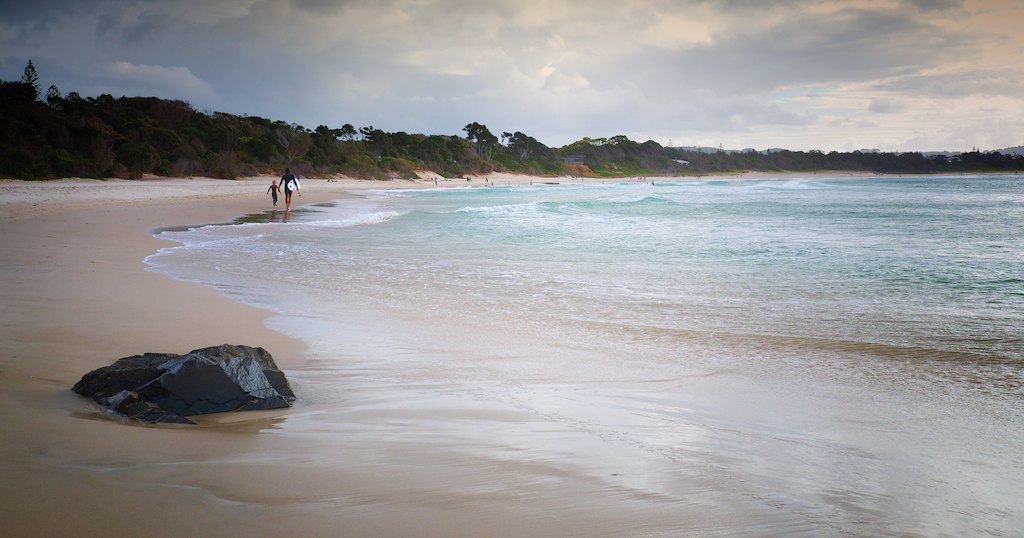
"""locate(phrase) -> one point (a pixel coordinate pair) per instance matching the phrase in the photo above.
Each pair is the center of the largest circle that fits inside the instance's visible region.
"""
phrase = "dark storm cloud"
(40, 11)
(557, 69)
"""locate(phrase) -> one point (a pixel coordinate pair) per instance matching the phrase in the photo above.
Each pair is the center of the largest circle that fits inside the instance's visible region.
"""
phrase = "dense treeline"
(55, 135)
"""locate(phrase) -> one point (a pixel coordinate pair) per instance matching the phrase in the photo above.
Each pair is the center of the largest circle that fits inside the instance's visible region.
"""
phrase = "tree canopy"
(73, 136)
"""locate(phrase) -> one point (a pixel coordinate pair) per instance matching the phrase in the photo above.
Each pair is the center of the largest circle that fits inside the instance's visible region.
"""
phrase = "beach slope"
(76, 296)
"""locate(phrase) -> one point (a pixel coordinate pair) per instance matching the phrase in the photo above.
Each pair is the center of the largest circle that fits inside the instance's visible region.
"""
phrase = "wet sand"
(76, 295)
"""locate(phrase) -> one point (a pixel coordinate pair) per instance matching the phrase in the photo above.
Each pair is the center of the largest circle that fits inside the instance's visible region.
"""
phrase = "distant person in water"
(290, 184)
(273, 190)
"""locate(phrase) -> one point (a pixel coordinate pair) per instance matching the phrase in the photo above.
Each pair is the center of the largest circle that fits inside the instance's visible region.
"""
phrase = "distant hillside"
(71, 136)
(1015, 150)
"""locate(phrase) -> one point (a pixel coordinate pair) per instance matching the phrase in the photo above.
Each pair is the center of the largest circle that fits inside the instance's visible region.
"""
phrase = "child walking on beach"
(273, 190)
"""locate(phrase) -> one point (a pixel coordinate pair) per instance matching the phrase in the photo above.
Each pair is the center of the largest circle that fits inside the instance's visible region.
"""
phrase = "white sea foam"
(376, 217)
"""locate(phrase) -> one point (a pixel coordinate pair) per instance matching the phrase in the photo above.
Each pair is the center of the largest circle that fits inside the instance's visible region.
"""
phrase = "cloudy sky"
(899, 75)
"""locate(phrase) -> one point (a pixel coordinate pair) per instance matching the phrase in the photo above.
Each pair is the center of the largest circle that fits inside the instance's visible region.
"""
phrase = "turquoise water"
(821, 356)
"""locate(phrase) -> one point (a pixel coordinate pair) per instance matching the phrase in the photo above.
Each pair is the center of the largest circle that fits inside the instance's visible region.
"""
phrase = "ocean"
(817, 356)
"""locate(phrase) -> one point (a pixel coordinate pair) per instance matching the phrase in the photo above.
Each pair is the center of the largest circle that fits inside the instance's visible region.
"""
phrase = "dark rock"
(129, 404)
(128, 373)
(159, 387)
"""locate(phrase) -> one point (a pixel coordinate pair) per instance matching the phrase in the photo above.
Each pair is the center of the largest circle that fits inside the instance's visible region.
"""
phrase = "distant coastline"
(138, 137)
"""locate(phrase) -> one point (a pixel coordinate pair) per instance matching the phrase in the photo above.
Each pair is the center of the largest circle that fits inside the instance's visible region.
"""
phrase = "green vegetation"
(55, 135)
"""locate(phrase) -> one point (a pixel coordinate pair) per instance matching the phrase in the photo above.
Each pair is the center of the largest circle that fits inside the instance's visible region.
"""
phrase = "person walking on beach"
(273, 190)
(290, 184)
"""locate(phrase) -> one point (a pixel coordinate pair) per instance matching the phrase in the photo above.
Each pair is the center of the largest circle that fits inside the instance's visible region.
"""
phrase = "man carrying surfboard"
(290, 184)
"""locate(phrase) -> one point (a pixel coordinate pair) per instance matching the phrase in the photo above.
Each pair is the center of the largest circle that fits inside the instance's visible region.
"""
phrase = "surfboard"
(293, 185)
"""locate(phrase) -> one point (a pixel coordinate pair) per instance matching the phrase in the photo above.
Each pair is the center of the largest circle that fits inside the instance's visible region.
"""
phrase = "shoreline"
(77, 295)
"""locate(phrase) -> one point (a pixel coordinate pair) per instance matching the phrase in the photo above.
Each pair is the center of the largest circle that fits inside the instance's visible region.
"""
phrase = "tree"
(479, 134)
(522, 145)
(348, 132)
(53, 97)
(378, 142)
(286, 142)
(484, 142)
(137, 158)
(294, 139)
(32, 78)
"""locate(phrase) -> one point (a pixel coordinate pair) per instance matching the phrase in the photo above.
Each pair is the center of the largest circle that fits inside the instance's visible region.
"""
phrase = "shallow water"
(817, 356)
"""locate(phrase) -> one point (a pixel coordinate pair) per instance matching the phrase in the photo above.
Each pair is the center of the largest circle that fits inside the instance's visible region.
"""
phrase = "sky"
(843, 75)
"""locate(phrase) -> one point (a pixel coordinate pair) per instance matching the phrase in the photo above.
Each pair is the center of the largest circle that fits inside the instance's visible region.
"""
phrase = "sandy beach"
(397, 442)
(77, 296)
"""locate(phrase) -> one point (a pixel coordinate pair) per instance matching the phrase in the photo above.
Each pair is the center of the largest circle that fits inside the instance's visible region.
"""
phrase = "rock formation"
(160, 387)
